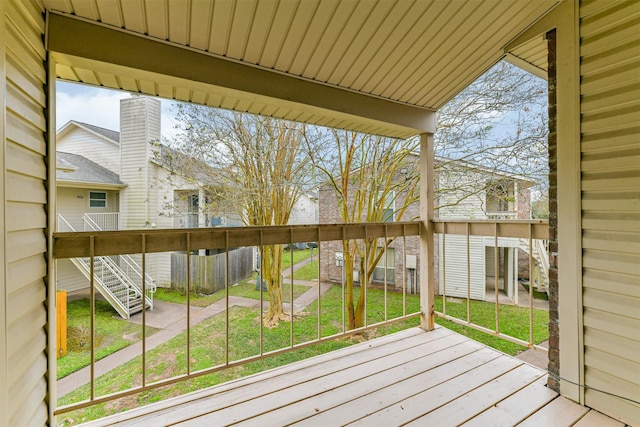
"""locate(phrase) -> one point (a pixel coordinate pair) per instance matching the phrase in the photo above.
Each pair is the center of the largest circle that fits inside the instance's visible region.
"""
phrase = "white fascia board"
(89, 185)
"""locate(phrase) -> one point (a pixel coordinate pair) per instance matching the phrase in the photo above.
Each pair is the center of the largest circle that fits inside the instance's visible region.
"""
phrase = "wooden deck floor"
(436, 378)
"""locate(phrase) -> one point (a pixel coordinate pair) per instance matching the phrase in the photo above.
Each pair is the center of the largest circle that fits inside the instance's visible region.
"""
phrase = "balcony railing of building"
(191, 220)
(502, 215)
(94, 244)
(108, 221)
(533, 232)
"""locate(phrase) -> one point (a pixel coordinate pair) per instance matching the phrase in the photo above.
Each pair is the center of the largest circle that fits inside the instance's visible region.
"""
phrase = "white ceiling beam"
(525, 65)
(76, 37)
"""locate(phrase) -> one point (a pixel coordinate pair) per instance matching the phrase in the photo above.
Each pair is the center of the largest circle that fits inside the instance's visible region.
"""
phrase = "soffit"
(417, 53)
(531, 56)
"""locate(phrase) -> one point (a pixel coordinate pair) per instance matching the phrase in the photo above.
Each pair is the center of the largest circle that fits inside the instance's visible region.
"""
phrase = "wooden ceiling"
(417, 54)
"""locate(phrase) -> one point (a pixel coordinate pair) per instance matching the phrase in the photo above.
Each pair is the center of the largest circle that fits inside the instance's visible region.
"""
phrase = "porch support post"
(427, 254)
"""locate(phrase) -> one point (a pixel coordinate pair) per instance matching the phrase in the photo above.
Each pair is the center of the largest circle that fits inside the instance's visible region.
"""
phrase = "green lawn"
(298, 255)
(248, 290)
(180, 297)
(208, 344)
(513, 321)
(243, 289)
(308, 272)
(112, 333)
(207, 349)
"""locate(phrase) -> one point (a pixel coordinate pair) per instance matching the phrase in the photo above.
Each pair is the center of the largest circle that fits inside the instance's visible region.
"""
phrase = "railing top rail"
(77, 244)
(492, 221)
(486, 227)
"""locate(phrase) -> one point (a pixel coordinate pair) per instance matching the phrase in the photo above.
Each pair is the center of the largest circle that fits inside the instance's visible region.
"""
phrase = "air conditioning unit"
(219, 221)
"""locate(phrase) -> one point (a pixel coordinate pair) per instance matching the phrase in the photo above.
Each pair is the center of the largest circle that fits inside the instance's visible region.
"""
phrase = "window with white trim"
(387, 263)
(388, 213)
(97, 199)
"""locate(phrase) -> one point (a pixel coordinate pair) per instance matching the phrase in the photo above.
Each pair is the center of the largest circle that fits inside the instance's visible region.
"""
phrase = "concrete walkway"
(171, 319)
(539, 358)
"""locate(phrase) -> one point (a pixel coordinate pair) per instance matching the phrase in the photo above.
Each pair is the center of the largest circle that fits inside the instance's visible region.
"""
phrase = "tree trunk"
(355, 309)
(272, 275)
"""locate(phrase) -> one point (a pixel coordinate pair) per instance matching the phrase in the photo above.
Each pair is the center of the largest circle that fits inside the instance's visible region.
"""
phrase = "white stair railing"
(116, 277)
(132, 272)
(541, 259)
(106, 282)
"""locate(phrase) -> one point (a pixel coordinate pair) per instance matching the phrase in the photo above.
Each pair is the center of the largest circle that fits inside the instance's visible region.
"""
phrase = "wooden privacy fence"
(208, 272)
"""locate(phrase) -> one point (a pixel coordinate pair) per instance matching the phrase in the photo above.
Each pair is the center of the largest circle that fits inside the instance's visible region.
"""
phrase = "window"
(388, 261)
(97, 199)
(388, 213)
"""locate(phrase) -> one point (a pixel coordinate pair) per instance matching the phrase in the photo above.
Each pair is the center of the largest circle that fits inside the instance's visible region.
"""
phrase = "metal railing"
(369, 237)
(501, 232)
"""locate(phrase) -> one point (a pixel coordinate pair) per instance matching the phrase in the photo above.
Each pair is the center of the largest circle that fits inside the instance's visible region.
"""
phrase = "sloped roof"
(74, 168)
(110, 135)
(184, 164)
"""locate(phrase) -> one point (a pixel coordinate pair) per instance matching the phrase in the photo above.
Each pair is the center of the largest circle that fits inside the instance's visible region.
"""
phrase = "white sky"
(100, 107)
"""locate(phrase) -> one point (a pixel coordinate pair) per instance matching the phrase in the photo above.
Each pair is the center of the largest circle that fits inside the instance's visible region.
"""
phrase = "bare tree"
(498, 123)
(375, 180)
(260, 171)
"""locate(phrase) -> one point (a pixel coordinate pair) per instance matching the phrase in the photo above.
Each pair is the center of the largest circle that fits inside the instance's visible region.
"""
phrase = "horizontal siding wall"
(25, 199)
(73, 203)
(95, 148)
(455, 260)
(610, 126)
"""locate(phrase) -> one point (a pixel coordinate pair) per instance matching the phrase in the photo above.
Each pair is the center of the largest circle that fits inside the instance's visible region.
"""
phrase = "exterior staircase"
(118, 278)
(541, 258)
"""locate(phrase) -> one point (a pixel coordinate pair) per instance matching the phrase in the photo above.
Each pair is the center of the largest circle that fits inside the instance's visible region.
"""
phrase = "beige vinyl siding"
(610, 126)
(459, 205)
(73, 203)
(24, 311)
(97, 149)
(165, 184)
(490, 260)
(138, 127)
(68, 277)
(456, 266)
(458, 193)
(165, 201)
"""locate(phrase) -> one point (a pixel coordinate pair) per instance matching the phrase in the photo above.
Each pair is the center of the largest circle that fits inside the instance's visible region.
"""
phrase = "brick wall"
(524, 203)
(554, 335)
(329, 214)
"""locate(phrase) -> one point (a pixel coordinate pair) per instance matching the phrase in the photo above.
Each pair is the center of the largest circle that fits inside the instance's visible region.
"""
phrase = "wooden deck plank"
(597, 419)
(434, 397)
(159, 408)
(428, 378)
(516, 407)
(481, 398)
(561, 412)
(267, 382)
(169, 405)
(361, 406)
(299, 409)
(357, 369)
